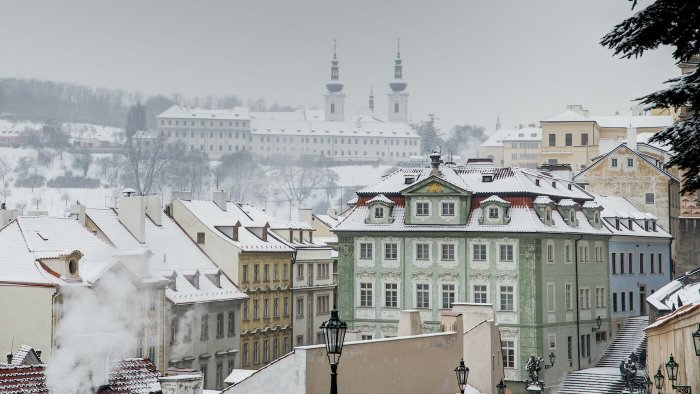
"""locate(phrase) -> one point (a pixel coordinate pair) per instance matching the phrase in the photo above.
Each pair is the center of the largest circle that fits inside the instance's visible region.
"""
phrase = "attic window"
(487, 178)
(548, 214)
(554, 185)
(408, 180)
(629, 224)
(537, 182)
(378, 212)
(569, 186)
(72, 267)
(572, 216)
(200, 238)
(646, 225)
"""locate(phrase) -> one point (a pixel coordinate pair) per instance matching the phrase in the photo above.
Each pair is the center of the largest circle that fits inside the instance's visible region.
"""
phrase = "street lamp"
(462, 373)
(334, 331)
(501, 387)
(648, 385)
(696, 341)
(552, 357)
(672, 369)
(659, 380)
(599, 322)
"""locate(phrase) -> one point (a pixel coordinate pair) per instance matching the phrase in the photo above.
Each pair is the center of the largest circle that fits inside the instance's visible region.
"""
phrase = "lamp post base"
(334, 378)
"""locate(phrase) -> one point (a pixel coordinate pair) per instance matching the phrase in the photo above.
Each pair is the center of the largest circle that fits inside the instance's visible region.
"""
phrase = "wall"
(25, 312)
(687, 246)
(674, 337)
(576, 155)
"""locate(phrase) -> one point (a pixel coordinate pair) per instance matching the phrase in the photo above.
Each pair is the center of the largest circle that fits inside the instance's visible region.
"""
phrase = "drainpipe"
(672, 267)
(578, 311)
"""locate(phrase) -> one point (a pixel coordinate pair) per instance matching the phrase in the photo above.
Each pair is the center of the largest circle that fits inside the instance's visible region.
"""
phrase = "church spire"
(398, 68)
(398, 97)
(371, 99)
(335, 99)
(334, 63)
(498, 121)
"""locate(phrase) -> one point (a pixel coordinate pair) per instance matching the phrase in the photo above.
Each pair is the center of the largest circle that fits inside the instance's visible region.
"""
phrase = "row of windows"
(322, 271)
(151, 350)
(266, 350)
(617, 262)
(322, 306)
(583, 253)
(204, 327)
(201, 134)
(422, 298)
(508, 347)
(265, 273)
(524, 145)
(212, 123)
(266, 308)
(624, 297)
(584, 297)
(338, 140)
(524, 156)
(231, 148)
(568, 139)
(447, 208)
(447, 251)
(342, 152)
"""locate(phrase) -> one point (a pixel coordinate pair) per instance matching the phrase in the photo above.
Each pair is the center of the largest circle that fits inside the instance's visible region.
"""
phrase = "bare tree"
(241, 174)
(145, 158)
(297, 183)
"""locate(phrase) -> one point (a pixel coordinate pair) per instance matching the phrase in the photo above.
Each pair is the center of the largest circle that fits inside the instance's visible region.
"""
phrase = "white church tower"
(335, 98)
(398, 98)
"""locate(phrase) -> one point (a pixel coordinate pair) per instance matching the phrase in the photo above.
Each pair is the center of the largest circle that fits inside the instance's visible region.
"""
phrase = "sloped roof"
(624, 121)
(381, 198)
(25, 353)
(666, 298)
(524, 134)
(569, 116)
(23, 379)
(134, 376)
(181, 112)
(320, 128)
(496, 139)
(173, 254)
(636, 153)
(212, 216)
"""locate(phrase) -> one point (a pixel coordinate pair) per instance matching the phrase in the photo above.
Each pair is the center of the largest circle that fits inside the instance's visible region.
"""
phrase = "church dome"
(398, 86)
(334, 86)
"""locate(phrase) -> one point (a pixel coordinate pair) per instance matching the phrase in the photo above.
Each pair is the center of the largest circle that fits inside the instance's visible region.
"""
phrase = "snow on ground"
(55, 201)
(85, 130)
(360, 175)
(19, 125)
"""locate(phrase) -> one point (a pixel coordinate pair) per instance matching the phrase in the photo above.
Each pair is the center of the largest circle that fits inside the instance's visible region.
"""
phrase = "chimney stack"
(632, 138)
(435, 163)
(9, 358)
(305, 215)
(219, 198)
(131, 212)
(77, 212)
(409, 323)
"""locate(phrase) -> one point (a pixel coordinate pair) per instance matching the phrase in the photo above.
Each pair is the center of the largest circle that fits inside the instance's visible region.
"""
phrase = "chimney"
(265, 229)
(219, 199)
(234, 231)
(9, 358)
(632, 138)
(131, 212)
(154, 209)
(305, 215)
(77, 212)
(435, 164)
(185, 383)
(409, 323)
(38, 352)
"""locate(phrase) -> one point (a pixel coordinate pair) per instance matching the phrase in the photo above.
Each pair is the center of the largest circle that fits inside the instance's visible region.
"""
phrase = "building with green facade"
(530, 244)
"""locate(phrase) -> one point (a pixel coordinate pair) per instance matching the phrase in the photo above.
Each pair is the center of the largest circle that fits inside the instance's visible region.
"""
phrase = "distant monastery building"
(328, 132)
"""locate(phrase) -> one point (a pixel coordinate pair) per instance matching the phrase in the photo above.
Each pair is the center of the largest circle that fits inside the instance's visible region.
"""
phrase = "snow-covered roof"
(261, 216)
(314, 128)
(524, 134)
(567, 202)
(624, 121)
(686, 309)
(174, 256)
(495, 199)
(496, 139)
(23, 379)
(381, 198)
(643, 157)
(619, 207)
(238, 375)
(666, 298)
(568, 116)
(214, 218)
(181, 112)
(328, 220)
(300, 114)
(542, 200)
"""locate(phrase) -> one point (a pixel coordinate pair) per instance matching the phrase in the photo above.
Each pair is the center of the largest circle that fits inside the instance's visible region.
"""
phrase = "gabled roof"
(496, 139)
(25, 355)
(380, 198)
(213, 217)
(569, 116)
(134, 376)
(23, 379)
(173, 256)
(636, 153)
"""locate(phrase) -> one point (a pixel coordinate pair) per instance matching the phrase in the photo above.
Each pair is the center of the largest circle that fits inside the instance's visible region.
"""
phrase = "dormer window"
(629, 224)
(554, 185)
(493, 213)
(596, 218)
(72, 267)
(422, 209)
(487, 178)
(537, 182)
(646, 225)
(448, 208)
(572, 216)
(653, 225)
(378, 212)
(548, 214)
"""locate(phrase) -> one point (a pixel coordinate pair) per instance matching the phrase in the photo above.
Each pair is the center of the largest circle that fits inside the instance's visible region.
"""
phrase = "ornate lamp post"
(462, 373)
(501, 387)
(672, 370)
(334, 331)
(598, 322)
(659, 380)
(696, 341)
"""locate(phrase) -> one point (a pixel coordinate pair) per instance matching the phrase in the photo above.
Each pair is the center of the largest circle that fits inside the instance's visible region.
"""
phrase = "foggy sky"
(465, 61)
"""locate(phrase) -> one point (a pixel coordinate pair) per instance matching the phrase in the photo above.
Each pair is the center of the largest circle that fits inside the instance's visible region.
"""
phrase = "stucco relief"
(448, 264)
(480, 276)
(448, 276)
(390, 314)
(422, 275)
(507, 277)
(508, 332)
(510, 374)
(507, 317)
(365, 275)
(363, 327)
(389, 329)
(391, 275)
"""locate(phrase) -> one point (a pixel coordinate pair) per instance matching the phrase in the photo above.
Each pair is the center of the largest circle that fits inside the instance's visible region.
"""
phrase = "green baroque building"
(530, 244)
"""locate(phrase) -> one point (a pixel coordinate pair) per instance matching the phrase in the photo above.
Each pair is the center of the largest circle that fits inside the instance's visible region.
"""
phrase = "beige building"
(412, 362)
(573, 137)
(522, 147)
(639, 178)
(249, 253)
(492, 148)
(672, 335)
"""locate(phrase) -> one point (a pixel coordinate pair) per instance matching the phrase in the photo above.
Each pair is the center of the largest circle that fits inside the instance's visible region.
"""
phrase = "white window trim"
(550, 341)
(515, 297)
(454, 201)
(430, 294)
(398, 294)
(415, 208)
(398, 249)
(552, 308)
(571, 252)
(515, 352)
(359, 294)
(456, 250)
(571, 297)
(415, 250)
(358, 248)
(515, 251)
(554, 253)
(456, 291)
(488, 291)
(471, 251)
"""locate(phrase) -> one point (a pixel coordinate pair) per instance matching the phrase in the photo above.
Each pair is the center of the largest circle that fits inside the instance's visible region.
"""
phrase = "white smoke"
(97, 325)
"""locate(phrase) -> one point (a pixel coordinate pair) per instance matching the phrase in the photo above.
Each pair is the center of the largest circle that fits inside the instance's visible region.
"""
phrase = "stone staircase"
(605, 377)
